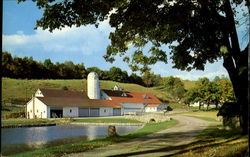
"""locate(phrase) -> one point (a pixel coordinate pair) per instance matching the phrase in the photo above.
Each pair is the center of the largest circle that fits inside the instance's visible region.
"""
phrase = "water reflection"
(41, 135)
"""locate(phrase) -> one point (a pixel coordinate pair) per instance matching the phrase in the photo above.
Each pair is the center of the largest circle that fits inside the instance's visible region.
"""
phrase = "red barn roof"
(132, 97)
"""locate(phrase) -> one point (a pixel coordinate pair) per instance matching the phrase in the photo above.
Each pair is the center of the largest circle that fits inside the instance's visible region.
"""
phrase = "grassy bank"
(88, 145)
(15, 122)
(106, 120)
(216, 141)
(29, 122)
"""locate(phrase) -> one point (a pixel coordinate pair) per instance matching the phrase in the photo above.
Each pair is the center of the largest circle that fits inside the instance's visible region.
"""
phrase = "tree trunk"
(236, 63)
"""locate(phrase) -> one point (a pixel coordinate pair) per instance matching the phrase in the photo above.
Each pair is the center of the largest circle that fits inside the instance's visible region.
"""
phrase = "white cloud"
(84, 40)
(211, 70)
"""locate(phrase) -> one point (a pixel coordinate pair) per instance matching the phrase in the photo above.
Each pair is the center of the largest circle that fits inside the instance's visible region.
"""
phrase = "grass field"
(57, 151)
(188, 84)
(19, 91)
(205, 115)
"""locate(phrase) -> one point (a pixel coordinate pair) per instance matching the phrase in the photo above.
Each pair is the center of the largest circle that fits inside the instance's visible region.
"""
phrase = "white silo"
(93, 86)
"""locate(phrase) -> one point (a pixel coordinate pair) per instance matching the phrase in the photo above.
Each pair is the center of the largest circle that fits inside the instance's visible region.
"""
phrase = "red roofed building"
(51, 103)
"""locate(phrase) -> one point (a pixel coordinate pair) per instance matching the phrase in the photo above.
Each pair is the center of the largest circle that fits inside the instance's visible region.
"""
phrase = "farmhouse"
(52, 103)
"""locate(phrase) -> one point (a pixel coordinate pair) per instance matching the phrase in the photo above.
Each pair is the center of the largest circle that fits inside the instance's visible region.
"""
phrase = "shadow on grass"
(210, 137)
(177, 149)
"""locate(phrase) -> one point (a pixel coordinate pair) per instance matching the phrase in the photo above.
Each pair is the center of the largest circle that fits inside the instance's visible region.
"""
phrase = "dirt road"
(163, 143)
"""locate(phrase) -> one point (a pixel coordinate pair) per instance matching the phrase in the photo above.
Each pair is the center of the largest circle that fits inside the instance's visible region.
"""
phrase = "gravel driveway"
(161, 143)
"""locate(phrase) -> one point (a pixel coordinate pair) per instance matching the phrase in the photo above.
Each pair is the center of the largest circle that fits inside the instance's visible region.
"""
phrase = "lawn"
(216, 141)
(106, 120)
(205, 115)
(24, 122)
(88, 145)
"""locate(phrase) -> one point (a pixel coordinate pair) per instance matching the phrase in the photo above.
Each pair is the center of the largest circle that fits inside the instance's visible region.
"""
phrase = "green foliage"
(217, 92)
(9, 111)
(174, 86)
(65, 88)
(196, 32)
(150, 79)
(229, 109)
(116, 74)
(30, 69)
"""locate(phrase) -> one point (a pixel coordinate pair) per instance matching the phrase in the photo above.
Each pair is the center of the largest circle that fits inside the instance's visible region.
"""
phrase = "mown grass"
(205, 115)
(205, 118)
(106, 120)
(58, 151)
(23, 122)
(216, 141)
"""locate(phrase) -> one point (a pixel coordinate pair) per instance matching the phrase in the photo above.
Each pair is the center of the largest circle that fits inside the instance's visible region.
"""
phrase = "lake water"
(42, 135)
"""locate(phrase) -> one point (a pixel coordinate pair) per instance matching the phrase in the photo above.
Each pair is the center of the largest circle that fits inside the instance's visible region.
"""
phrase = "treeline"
(27, 68)
(208, 92)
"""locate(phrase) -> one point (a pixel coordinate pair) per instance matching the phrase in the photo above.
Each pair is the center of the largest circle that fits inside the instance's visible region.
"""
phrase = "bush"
(230, 112)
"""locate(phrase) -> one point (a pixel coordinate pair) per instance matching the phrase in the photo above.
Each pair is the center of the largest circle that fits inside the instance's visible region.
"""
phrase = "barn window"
(104, 110)
(70, 110)
(37, 111)
(43, 111)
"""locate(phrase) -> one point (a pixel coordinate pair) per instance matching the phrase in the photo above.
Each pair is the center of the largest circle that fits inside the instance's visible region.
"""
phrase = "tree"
(116, 74)
(191, 96)
(196, 32)
(150, 79)
(225, 89)
(7, 61)
(174, 86)
(133, 78)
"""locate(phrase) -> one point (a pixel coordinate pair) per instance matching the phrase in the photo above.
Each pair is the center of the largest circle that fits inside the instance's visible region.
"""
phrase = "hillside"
(188, 84)
(20, 91)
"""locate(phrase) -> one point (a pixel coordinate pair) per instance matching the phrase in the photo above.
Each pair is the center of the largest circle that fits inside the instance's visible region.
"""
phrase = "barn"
(52, 103)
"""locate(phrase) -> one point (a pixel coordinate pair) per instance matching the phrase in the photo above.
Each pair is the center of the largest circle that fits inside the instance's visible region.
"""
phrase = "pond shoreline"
(91, 123)
(28, 125)
(73, 123)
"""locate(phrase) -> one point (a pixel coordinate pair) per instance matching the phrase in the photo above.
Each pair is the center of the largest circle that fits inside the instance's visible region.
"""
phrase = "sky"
(85, 44)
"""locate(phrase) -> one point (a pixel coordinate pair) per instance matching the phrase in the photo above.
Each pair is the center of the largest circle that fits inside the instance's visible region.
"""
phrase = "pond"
(39, 137)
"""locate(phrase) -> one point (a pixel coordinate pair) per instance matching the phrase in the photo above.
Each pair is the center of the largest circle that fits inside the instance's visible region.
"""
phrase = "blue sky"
(85, 44)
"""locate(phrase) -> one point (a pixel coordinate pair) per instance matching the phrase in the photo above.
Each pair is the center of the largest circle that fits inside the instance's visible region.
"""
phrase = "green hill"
(19, 91)
(188, 84)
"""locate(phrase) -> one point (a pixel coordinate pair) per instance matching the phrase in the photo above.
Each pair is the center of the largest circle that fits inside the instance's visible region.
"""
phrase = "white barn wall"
(67, 113)
(40, 109)
(109, 111)
(151, 109)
